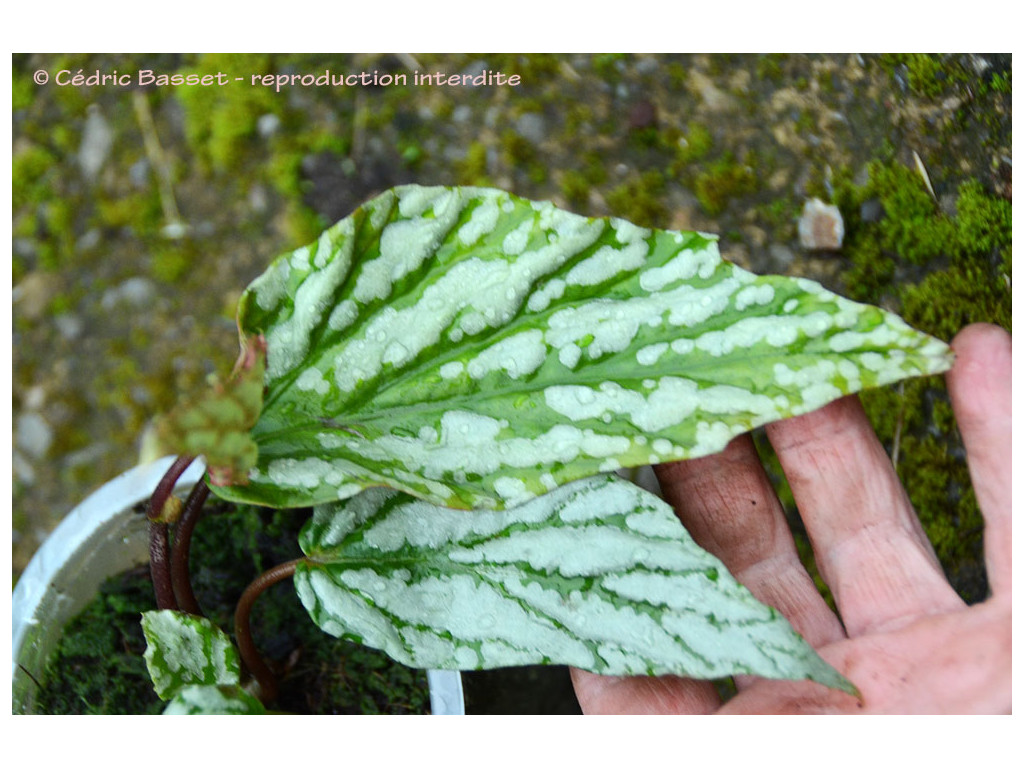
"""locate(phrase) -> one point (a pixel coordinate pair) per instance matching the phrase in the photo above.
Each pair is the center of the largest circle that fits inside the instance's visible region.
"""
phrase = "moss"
(984, 222)
(693, 146)
(1002, 82)
(219, 120)
(520, 154)
(912, 225)
(58, 242)
(142, 212)
(640, 200)
(969, 269)
(99, 663)
(575, 189)
(946, 301)
(769, 67)
(171, 261)
(724, 180)
(29, 170)
(472, 170)
(608, 65)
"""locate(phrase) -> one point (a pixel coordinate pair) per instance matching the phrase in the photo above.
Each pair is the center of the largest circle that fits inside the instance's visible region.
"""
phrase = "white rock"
(97, 140)
(821, 226)
(34, 436)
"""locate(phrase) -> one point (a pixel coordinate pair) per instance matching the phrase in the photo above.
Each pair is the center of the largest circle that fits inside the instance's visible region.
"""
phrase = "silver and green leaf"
(598, 574)
(194, 666)
(214, 700)
(476, 350)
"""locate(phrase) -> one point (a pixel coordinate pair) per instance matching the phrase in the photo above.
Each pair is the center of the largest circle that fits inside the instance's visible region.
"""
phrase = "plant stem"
(166, 485)
(159, 567)
(159, 548)
(180, 579)
(243, 632)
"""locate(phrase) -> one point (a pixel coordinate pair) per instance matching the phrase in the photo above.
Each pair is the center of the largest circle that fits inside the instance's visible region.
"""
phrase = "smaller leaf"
(216, 423)
(184, 650)
(214, 700)
(598, 574)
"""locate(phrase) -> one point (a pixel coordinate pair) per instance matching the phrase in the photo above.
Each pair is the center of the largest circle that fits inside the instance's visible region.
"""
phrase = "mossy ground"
(727, 144)
(99, 666)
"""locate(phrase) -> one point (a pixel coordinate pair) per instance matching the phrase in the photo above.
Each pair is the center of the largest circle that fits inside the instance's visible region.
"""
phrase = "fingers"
(609, 695)
(728, 505)
(980, 390)
(867, 541)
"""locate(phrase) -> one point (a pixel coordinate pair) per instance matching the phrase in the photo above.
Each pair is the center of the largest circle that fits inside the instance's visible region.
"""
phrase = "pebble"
(23, 473)
(33, 436)
(821, 226)
(33, 293)
(138, 173)
(137, 291)
(871, 210)
(780, 256)
(643, 114)
(267, 125)
(531, 126)
(69, 325)
(97, 141)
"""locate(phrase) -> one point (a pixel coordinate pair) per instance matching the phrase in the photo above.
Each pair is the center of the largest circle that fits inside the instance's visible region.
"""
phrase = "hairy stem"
(180, 578)
(243, 632)
(159, 567)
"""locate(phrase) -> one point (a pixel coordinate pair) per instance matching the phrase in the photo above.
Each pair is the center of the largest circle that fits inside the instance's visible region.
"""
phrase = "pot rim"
(95, 540)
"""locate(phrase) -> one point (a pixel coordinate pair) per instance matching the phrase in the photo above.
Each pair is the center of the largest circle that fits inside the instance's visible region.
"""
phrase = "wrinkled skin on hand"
(905, 639)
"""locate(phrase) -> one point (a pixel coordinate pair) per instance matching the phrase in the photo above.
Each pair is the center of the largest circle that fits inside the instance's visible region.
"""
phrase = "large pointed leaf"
(598, 574)
(476, 349)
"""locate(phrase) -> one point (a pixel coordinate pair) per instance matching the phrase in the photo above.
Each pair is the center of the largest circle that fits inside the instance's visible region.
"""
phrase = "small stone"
(531, 126)
(643, 114)
(137, 291)
(821, 226)
(69, 325)
(780, 256)
(34, 436)
(138, 173)
(97, 141)
(89, 240)
(34, 397)
(267, 125)
(33, 294)
(23, 472)
(871, 210)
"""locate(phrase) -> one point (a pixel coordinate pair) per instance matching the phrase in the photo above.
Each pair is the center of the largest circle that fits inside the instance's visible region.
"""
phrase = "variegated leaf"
(477, 349)
(184, 650)
(214, 700)
(598, 574)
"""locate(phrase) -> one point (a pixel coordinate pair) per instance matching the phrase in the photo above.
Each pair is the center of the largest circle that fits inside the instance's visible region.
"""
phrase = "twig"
(175, 227)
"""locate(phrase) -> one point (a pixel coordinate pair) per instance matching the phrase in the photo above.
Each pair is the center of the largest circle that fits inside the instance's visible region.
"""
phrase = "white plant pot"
(100, 538)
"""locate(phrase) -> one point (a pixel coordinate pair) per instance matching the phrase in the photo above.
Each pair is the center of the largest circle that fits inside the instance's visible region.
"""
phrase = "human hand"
(906, 639)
